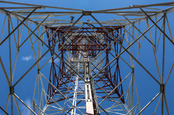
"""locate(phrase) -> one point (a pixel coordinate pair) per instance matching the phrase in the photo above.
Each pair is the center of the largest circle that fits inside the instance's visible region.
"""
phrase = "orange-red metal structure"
(60, 77)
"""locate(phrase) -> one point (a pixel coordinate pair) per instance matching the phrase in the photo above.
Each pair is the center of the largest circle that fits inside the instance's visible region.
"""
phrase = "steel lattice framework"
(113, 61)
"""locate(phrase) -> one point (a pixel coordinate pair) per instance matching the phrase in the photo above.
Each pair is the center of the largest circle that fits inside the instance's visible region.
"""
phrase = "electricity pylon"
(118, 62)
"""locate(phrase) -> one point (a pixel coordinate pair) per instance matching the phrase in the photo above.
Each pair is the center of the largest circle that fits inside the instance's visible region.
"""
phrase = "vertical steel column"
(88, 88)
(74, 103)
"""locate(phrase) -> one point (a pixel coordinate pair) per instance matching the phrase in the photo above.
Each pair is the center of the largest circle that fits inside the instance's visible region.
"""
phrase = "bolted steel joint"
(38, 71)
(162, 88)
(11, 88)
(86, 12)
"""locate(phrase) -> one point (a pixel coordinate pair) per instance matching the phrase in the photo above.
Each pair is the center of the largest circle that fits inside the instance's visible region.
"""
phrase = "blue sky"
(27, 58)
(92, 4)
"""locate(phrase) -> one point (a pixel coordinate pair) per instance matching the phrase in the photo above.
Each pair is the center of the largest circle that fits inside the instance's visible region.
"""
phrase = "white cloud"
(24, 109)
(26, 58)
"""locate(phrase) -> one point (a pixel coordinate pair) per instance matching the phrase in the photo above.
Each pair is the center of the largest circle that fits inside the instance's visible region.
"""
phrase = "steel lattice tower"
(75, 62)
(82, 48)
